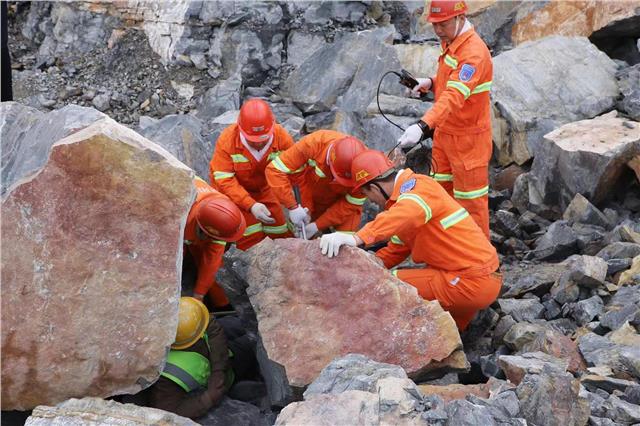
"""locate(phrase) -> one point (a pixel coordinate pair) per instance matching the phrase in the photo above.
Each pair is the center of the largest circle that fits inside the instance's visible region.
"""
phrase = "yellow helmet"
(193, 320)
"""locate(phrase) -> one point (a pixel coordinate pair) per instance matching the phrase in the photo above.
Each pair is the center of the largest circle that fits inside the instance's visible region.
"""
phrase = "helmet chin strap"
(455, 34)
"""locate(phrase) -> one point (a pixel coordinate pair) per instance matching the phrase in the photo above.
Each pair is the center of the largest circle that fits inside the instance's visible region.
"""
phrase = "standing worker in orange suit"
(461, 114)
(327, 199)
(212, 222)
(242, 152)
(422, 220)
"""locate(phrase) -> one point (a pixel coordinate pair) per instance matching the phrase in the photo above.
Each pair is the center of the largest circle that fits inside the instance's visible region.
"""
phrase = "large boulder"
(339, 306)
(94, 411)
(334, 75)
(544, 84)
(90, 267)
(588, 157)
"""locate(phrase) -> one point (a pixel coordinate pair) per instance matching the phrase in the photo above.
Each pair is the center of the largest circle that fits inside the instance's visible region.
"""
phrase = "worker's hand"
(262, 213)
(299, 216)
(411, 136)
(331, 243)
(311, 230)
(423, 86)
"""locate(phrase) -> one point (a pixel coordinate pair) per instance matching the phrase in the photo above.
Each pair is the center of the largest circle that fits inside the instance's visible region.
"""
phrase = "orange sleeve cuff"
(365, 235)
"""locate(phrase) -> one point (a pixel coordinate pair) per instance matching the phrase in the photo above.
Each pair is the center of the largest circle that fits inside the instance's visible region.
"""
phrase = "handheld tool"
(296, 193)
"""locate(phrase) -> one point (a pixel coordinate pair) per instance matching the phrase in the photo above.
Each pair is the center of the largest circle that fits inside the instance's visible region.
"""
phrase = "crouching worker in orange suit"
(242, 152)
(327, 199)
(213, 221)
(202, 364)
(422, 220)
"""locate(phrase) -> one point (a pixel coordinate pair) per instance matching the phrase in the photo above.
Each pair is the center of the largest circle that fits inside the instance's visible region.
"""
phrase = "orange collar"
(458, 41)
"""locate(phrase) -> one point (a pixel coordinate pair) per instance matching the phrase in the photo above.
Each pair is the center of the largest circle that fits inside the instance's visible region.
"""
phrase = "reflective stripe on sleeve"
(460, 87)
(451, 61)
(239, 158)
(222, 175)
(470, 195)
(396, 240)
(276, 230)
(484, 87)
(454, 218)
(443, 177)
(253, 229)
(416, 199)
(355, 201)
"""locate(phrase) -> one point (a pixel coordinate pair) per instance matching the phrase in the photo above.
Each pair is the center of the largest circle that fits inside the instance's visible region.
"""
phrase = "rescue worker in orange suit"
(213, 221)
(327, 199)
(422, 220)
(204, 362)
(460, 118)
(242, 152)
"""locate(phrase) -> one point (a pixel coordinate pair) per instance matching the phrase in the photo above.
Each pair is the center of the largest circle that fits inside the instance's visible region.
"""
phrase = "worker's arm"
(349, 205)
(222, 176)
(394, 253)
(409, 213)
(288, 165)
(460, 86)
(208, 260)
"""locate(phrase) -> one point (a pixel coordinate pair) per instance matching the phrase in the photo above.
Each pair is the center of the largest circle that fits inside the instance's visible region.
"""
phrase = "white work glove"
(299, 216)
(411, 136)
(311, 230)
(262, 213)
(330, 243)
(423, 86)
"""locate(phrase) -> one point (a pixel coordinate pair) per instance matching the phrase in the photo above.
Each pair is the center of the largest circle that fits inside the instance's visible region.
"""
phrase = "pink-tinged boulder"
(312, 309)
(92, 243)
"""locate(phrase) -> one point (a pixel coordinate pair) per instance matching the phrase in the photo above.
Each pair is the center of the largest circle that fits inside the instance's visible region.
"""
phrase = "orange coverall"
(422, 220)
(461, 117)
(330, 204)
(207, 253)
(238, 175)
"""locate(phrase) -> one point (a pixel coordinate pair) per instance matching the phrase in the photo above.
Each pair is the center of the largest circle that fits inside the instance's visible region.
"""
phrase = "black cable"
(378, 98)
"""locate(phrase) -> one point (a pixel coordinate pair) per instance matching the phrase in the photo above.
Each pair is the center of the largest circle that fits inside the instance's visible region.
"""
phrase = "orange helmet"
(370, 165)
(443, 10)
(256, 121)
(341, 154)
(220, 219)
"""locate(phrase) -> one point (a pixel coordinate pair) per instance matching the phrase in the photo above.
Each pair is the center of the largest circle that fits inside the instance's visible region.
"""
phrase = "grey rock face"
(624, 306)
(530, 278)
(333, 76)
(586, 157)
(182, 136)
(551, 398)
(352, 372)
(231, 411)
(619, 250)
(557, 243)
(517, 367)
(586, 310)
(600, 351)
(522, 309)
(27, 135)
(219, 99)
(541, 85)
(582, 211)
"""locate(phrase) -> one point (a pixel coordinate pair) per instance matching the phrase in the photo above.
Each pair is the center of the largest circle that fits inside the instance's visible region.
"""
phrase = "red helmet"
(370, 165)
(341, 154)
(220, 219)
(443, 10)
(256, 121)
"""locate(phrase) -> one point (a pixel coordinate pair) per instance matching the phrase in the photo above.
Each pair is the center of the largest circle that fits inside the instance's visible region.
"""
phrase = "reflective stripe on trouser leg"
(441, 169)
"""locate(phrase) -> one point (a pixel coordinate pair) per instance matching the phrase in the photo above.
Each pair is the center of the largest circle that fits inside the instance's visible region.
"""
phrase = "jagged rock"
(516, 367)
(625, 335)
(398, 106)
(341, 121)
(352, 372)
(340, 63)
(182, 135)
(629, 82)
(421, 60)
(623, 360)
(586, 157)
(586, 310)
(225, 96)
(624, 306)
(335, 324)
(559, 242)
(619, 250)
(506, 223)
(621, 411)
(458, 391)
(552, 309)
(552, 398)
(83, 288)
(301, 46)
(582, 211)
(521, 309)
(609, 384)
(591, 238)
(522, 278)
(382, 135)
(231, 411)
(503, 405)
(465, 413)
(539, 100)
(27, 134)
(102, 102)
(632, 275)
(524, 337)
(582, 271)
(94, 411)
